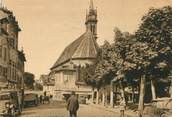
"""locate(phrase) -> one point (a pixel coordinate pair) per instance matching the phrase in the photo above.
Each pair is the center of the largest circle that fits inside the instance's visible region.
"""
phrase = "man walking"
(73, 105)
(40, 99)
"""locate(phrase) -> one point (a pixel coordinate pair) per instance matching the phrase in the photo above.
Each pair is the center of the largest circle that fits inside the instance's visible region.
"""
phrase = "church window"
(92, 28)
(65, 80)
(12, 43)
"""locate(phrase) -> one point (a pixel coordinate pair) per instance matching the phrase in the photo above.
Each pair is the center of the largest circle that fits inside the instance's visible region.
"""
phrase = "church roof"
(84, 47)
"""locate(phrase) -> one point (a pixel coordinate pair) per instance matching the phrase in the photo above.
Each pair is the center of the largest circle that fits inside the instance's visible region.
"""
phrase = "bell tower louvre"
(91, 19)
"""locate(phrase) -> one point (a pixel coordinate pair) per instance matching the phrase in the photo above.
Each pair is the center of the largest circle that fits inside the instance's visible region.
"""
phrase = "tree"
(122, 67)
(87, 74)
(104, 69)
(154, 38)
(100, 73)
(29, 80)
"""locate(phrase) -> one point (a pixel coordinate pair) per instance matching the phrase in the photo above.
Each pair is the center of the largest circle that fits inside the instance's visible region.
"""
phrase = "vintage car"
(30, 99)
(162, 107)
(9, 103)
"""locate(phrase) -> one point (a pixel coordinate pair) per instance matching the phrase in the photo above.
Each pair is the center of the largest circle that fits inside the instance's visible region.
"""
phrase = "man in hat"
(73, 105)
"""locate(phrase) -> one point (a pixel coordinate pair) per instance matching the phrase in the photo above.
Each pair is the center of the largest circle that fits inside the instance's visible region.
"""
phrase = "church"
(80, 52)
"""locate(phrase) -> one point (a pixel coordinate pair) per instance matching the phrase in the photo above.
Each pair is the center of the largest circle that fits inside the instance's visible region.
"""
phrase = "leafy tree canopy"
(155, 36)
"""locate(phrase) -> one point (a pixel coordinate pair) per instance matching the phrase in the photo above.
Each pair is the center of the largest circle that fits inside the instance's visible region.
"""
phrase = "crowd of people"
(45, 98)
(73, 103)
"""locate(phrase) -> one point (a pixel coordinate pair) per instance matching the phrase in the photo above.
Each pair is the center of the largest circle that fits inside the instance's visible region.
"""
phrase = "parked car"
(82, 99)
(162, 107)
(9, 103)
(30, 99)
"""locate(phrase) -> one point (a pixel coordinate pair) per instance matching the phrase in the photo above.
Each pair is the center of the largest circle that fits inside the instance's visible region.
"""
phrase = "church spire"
(91, 5)
(91, 19)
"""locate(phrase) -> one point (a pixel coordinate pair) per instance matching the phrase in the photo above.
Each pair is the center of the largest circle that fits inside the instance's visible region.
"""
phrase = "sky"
(48, 26)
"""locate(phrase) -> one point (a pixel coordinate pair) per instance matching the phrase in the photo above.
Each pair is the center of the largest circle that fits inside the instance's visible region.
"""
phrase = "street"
(58, 109)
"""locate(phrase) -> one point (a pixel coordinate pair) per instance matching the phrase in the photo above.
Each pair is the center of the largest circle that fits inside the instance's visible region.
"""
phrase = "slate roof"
(85, 47)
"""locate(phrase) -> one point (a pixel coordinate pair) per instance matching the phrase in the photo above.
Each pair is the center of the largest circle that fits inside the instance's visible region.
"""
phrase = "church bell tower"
(91, 19)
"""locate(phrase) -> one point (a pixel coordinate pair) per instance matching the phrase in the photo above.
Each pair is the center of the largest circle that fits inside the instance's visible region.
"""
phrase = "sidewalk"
(128, 113)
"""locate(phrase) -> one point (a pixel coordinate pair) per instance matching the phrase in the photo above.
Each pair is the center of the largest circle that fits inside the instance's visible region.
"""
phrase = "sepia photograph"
(85, 58)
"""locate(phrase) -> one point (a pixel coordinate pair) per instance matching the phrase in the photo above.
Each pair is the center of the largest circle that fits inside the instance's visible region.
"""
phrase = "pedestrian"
(45, 93)
(122, 107)
(40, 99)
(72, 105)
(51, 99)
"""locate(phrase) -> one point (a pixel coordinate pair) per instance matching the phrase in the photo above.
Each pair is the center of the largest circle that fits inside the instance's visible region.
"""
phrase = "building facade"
(80, 52)
(11, 58)
(47, 83)
(43, 78)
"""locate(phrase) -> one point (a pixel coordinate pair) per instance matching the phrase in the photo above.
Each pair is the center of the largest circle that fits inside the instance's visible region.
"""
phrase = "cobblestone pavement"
(57, 109)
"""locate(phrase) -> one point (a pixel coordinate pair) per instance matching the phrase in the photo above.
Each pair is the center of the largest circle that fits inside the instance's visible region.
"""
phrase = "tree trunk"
(92, 96)
(153, 89)
(111, 95)
(122, 91)
(111, 98)
(97, 97)
(133, 94)
(170, 91)
(103, 98)
(141, 98)
(115, 94)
